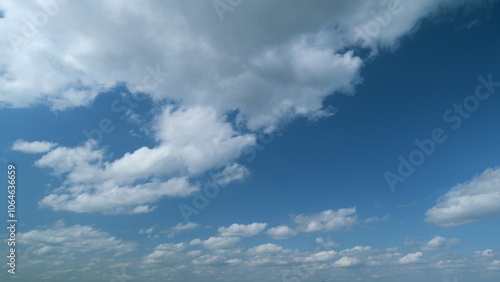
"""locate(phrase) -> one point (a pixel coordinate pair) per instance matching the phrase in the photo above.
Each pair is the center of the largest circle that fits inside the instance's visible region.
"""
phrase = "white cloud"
(377, 219)
(114, 199)
(281, 232)
(231, 173)
(191, 141)
(468, 202)
(146, 231)
(439, 243)
(60, 240)
(411, 258)
(220, 242)
(265, 249)
(346, 261)
(321, 256)
(485, 253)
(180, 227)
(165, 252)
(327, 220)
(241, 230)
(187, 226)
(267, 72)
(32, 147)
(289, 61)
(209, 259)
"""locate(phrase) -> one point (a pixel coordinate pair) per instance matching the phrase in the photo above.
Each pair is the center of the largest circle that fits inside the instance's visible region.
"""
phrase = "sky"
(236, 140)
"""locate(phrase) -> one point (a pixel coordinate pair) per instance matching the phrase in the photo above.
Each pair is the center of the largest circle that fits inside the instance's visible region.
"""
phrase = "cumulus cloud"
(346, 261)
(327, 220)
(439, 243)
(219, 242)
(281, 232)
(241, 230)
(283, 67)
(34, 147)
(468, 202)
(289, 62)
(231, 173)
(165, 252)
(61, 240)
(180, 227)
(411, 258)
(265, 248)
(191, 141)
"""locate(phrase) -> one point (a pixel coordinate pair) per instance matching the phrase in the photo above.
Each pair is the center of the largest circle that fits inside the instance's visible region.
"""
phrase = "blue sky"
(252, 141)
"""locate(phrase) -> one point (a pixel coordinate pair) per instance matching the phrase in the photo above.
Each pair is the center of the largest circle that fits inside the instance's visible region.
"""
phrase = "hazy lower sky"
(249, 140)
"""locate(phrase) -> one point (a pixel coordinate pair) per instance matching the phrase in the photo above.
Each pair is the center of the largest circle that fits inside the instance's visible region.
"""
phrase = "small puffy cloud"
(411, 258)
(468, 202)
(146, 231)
(346, 262)
(219, 242)
(328, 242)
(485, 253)
(165, 252)
(281, 232)
(185, 226)
(34, 147)
(241, 230)
(182, 227)
(231, 173)
(439, 243)
(265, 248)
(209, 259)
(377, 219)
(327, 220)
(321, 256)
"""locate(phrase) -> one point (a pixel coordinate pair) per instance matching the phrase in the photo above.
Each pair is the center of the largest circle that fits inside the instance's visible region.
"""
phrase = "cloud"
(485, 253)
(439, 243)
(218, 242)
(281, 232)
(265, 248)
(468, 202)
(146, 231)
(231, 173)
(283, 68)
(210, 260)
(165, 252)
(180, 227)
(32, 147)
(288, 62)
(60, 240)
(241, 230)
(346, 261)
(190, 142)
(377, 219)
(411, 258)
(327, 220)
